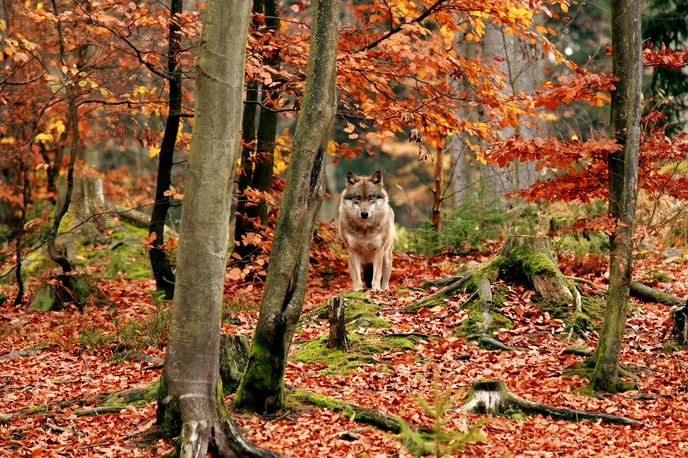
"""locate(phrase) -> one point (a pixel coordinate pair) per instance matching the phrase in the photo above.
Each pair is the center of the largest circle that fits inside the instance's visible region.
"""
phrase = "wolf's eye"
(372, 198)
(357, 198)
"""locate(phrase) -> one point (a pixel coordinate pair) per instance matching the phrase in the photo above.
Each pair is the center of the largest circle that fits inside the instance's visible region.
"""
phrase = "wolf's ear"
(376, 178)
(351, 179)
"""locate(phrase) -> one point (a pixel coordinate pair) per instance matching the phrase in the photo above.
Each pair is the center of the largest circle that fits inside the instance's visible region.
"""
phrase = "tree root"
(351, 411)
(492, 397)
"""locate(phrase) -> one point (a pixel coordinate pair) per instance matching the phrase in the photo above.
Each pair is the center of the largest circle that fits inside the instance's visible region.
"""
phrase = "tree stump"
(492, 397)
(86, 216)
(234, 351)
(680, 327)
(522, 259)
(77, 288)
(530, 258)
(338, 338)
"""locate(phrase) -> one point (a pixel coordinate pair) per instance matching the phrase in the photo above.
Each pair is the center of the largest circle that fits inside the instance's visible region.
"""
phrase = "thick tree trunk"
(623, 178)
(160, 263)
(190, 400)
(262, 386)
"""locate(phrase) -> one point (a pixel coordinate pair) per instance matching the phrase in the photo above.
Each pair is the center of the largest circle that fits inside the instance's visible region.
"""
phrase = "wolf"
(366, 227)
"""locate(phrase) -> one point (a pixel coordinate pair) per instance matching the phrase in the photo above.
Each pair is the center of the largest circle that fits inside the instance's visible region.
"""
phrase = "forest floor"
(53, 362)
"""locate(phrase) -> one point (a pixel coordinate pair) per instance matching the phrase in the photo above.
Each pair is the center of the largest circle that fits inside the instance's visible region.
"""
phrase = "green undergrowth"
(148, 332)
(126, 255)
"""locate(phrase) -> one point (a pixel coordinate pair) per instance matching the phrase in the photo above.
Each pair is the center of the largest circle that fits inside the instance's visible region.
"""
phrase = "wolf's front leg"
(377, 270)
(386, 269)
(355, 271)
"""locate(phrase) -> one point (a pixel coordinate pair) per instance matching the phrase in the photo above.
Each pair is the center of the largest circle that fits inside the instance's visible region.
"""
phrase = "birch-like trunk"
(190, 399)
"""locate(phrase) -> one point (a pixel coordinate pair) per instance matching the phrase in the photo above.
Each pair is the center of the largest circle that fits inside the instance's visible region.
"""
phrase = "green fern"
(438, 441)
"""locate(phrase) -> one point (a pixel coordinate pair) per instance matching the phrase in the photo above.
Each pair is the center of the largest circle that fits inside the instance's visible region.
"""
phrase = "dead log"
(649, 294)
(492, 397)
(338, 338)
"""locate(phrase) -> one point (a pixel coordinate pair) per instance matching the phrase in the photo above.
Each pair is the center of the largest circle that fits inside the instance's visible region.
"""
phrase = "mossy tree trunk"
(623, 179)
(190, 401)
(160, 262)
(262, 386)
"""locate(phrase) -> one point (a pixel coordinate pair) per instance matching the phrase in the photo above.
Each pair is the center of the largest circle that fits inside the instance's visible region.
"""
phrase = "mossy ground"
(360, 312)
(363, 349)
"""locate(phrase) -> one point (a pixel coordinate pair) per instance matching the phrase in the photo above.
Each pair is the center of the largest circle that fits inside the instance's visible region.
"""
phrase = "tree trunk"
(244, 223)
(623, 178)
(338, 338)
(160, 263)
(190, 399)
(438, 190)
(262, 386)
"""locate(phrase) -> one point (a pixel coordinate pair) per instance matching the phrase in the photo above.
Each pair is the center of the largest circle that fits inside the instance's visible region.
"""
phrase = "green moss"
(133, 397)
(470, 327)
(362, 349)
(522, 265)
(45, 298)
(358, 304)
(169, 418)
(261, 389)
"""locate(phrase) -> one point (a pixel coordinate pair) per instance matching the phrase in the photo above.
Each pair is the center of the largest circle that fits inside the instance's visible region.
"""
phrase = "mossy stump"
(77, 288)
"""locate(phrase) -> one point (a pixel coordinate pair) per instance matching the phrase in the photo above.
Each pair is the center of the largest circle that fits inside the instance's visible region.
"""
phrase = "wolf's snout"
(364, 215)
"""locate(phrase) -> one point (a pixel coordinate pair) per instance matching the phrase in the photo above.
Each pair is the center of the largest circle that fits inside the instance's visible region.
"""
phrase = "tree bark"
(160, 263)
(190, 399)
(262, 386)
(623, 178)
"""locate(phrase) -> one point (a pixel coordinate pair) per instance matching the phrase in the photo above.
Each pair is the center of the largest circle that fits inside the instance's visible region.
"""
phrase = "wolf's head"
(364, 195)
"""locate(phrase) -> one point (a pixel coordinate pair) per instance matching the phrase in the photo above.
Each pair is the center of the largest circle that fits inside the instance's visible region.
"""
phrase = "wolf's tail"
(368, 275)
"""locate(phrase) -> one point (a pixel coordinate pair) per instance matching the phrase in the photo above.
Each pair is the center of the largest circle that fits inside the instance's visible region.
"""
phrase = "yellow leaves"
(43, 137)
(349, 129)
(600, 100)
(564, 6)
(174, 193)
(153, 151)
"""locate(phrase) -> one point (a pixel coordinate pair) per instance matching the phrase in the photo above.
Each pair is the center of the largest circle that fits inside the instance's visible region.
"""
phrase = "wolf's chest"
(364, 243)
